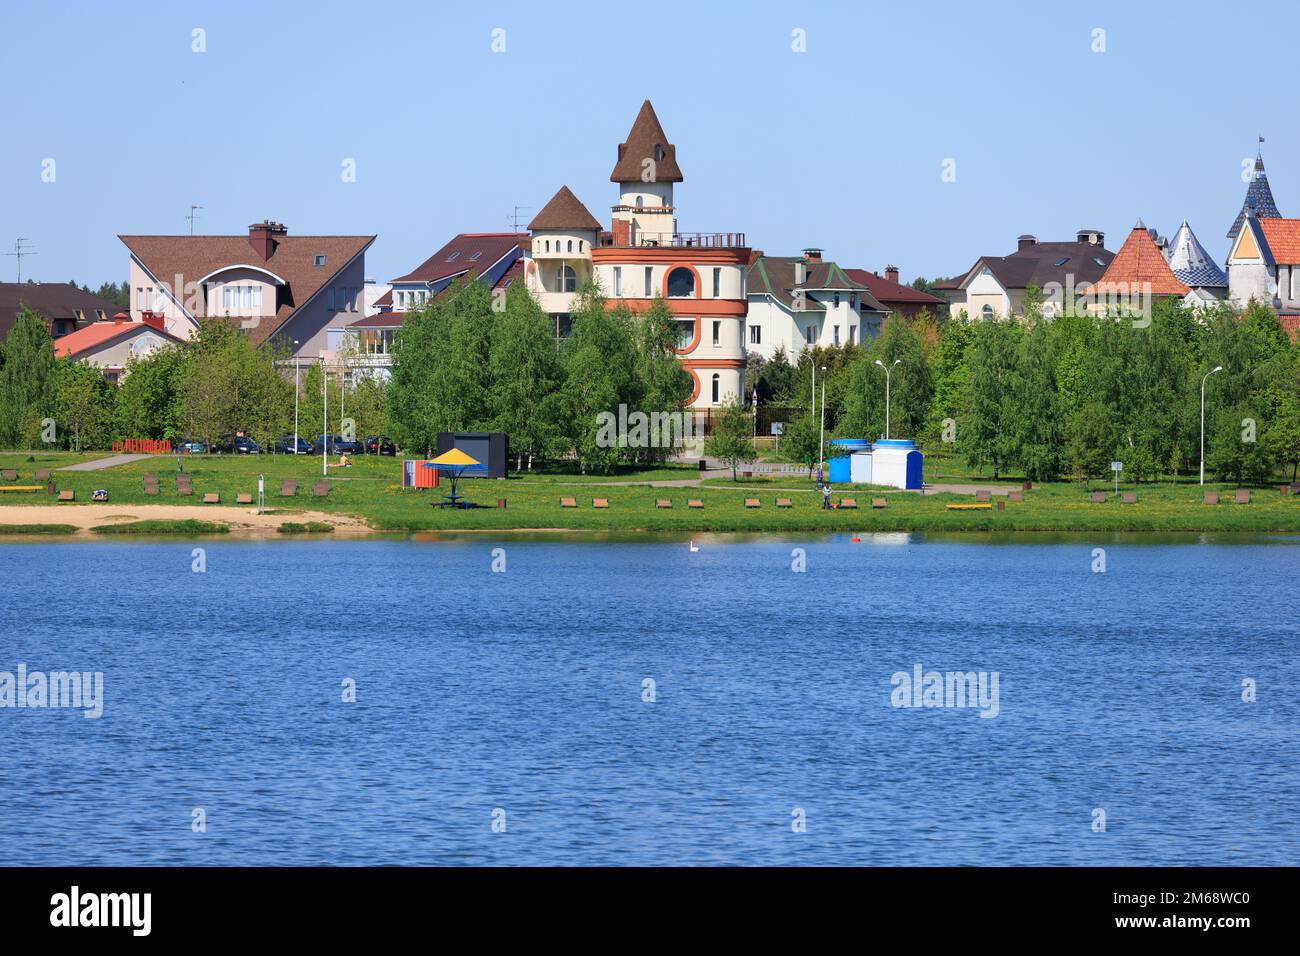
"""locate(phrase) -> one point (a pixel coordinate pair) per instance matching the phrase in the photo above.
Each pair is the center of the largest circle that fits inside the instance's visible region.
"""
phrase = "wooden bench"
(1211, 497)
(985, 506)
(982, 495)
(1242, 498)
(600, 502)
(784, 503)
(151, 490)
(67, 495)
(185, 489)
(42, 474)
(568, 502)
(879, 503)
(244, 499)
(663, 503)
(1099, 497)
(212, 498)
(320, 489)
(10, 474)
(1129, 498)
(694, 503)
(751, 503)
(22, 487)
(848, 502)
(288, 488)
(1016, 496)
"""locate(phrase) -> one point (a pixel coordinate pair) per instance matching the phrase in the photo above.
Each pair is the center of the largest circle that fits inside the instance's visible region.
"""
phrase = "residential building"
(109, 345)
(64, 307)
(291, 291)
(894, 296)
(1264, 266)
(559, 255)
(797, 302)
(1137, 275)
(995, 285)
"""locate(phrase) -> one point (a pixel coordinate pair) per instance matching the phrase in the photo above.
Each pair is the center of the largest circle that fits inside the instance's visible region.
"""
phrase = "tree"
(226, 383)
(84, 403)
(1089, 440)
(992, 429)
(731, 441)
(27, 380)
(801, 440)
(146, 405)
(526, 374)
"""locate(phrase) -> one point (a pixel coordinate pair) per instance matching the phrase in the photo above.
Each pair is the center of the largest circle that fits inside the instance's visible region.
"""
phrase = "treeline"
(1063, 398)
(468, 361)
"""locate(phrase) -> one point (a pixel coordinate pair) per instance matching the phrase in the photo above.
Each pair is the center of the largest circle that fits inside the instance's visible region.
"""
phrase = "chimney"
(263, 236)
(812, 255)
(1024, 242)
(891, 273)
(622, 232)
(154, 319)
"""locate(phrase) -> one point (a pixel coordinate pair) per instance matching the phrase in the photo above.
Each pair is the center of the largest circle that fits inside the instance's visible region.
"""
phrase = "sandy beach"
(242, 520)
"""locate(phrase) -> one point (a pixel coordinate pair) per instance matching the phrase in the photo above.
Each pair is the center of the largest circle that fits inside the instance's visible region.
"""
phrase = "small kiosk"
(897, 462)
(850, 462)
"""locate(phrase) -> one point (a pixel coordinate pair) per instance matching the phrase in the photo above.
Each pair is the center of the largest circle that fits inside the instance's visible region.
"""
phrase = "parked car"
(379, 445)
(285, 446)
(192, 447)
(345, 446)
(236, 445)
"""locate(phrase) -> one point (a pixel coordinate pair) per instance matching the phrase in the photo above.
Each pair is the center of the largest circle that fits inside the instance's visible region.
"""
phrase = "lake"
(627, 701)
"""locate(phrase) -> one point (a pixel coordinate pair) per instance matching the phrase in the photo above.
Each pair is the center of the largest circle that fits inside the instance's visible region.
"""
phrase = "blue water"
(522, 691)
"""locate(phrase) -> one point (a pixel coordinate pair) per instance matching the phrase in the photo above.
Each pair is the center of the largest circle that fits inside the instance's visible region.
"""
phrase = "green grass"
(371, 490)
(185, 527)
(37, 529)
(305, 527)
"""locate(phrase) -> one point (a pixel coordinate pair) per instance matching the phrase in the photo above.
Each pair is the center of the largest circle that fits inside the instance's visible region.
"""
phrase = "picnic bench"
(879, 503)
(600, 502)
(22, 487)
(1016, 496)
(568, 502)
(983, 495)
(1099, 497)
(288, 488)
(694, 503)
(212, 498)
(68, 495)
(244, 499)
(42, 474)
(1211, 497)
(151, 489)
(185, 489)
(663, 503)
(1129, 498)
(320, 489)
(10, 474)
(784, 503)
(848, 502)
(751, 503)
(981, 506)
(1242, 498)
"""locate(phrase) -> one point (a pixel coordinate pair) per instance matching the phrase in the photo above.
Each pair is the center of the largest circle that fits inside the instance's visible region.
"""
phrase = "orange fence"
(144, 446)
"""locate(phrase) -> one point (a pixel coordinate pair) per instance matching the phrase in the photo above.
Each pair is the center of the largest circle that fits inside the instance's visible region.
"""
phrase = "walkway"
(100, 463)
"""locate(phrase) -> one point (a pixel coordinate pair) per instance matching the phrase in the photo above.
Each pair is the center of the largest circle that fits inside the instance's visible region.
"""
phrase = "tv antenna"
(18, 254)
(192, 216)
(514, 217)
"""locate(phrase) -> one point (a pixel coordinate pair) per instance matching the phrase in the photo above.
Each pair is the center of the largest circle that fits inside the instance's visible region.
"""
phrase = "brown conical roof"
(645, 135)
(565, 211)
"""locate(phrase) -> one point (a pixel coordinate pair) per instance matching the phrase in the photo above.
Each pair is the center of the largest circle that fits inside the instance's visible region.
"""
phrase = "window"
(548, 245)
(454, 256)
(640, 202)
(648, 285)
(659, 153)
(1062, 261)
(99, 314)
(811, 333)
(570, 248)
(568, 279)
(837, 300)
(352, 299)
(717, 386)
(755, 335)
(986, 312)
(837, 335)
(685, 333)
(717, 283)
(618, 281)
(475, 257)
(717, 333)
(81, 315)
(329, 299)
(319, 260)
(853, 330)
(681, 283)
(853, 301)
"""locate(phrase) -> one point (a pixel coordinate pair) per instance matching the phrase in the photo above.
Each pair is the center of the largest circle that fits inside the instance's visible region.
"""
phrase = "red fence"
(144, 446)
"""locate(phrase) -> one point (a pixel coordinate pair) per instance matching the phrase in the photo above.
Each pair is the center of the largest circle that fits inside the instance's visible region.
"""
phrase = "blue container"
(839, 468)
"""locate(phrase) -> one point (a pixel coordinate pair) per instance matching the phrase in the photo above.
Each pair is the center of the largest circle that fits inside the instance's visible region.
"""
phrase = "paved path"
(970, 489)
(110, 462)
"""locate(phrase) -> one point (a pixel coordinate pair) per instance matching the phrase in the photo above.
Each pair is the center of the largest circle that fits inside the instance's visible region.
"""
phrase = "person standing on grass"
(826, 497)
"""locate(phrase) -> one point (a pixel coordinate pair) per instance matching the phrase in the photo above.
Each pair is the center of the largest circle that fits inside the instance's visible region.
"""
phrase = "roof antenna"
(514, 218)
(192, 216)
(18, 254)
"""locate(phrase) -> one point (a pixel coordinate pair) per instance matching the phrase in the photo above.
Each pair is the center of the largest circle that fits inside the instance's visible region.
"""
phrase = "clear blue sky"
(840, 146)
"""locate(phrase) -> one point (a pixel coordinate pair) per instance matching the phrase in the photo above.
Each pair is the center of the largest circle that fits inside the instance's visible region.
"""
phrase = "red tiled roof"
(1139, 262)
(1283, 237)
(645, 135)
(293, 259)
(565, 211)
(457, 256)
(886, 291)
(102, 333)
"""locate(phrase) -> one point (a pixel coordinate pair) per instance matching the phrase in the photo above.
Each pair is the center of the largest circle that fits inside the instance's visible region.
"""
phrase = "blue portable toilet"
(840, 470)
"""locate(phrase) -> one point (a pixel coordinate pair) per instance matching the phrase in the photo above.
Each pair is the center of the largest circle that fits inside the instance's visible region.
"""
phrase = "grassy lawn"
(371, 490)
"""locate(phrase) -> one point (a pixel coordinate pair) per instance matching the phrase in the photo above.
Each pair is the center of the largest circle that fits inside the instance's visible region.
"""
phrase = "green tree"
(27, 380)
(526, 374)
(84, 404)
(731, 441)
(1089, 440)
(146, 405)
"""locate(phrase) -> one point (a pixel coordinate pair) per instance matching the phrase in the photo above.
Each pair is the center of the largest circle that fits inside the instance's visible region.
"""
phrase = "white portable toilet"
(897, 462)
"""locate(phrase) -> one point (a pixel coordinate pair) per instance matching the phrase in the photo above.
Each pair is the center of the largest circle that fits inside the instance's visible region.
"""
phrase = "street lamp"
(814, 388)
(888, 372)
(821, 437)
(1217, 368)
(296, 363)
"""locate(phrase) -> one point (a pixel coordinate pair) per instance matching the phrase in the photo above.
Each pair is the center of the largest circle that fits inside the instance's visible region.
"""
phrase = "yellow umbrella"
(455, 462)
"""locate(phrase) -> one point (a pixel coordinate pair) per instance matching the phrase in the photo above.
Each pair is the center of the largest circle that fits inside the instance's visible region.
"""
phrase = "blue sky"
(840, 146)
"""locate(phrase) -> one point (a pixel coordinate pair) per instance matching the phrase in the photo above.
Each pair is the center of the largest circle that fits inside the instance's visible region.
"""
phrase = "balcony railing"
(680, 240)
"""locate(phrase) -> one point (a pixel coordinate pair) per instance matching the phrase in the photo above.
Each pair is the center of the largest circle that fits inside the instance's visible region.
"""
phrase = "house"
(286, 290)
(64, 307)
(1138, 274)
(996, 285)
(110, 344)
(797, 302)
(897, 298)
(1264, 266)
(701, 276)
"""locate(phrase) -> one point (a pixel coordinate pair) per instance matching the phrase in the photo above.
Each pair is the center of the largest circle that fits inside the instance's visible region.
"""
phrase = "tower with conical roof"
(645, 172)
(1193, 266)
(1259, 197)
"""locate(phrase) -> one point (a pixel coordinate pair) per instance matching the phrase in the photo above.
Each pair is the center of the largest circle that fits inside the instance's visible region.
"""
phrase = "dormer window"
(475, 256)
(659, 153)
(319, 260)
(1062, 261)
(454, 256)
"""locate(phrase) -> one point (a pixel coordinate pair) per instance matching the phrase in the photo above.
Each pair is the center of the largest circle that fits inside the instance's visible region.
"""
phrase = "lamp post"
(325, 438)
(888, 371)
(814, 388)
(1217, 368)
(821, 436)
(297, 361)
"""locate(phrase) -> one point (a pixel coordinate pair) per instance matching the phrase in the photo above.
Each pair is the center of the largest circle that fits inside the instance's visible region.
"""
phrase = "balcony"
(676, 240)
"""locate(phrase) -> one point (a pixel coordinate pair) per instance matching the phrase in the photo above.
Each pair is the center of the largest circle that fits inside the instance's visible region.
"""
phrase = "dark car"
(236, 445)
(379, 445)
(335, 445)
(285, 446)
(345, 446)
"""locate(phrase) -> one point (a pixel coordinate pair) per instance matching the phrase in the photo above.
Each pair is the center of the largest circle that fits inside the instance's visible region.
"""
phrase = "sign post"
(1116, 467)
(777, 429)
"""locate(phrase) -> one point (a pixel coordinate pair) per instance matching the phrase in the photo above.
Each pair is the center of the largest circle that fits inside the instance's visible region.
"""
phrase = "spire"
(1190, 262)
(1259, 197)
(564, 211)
(646, 141)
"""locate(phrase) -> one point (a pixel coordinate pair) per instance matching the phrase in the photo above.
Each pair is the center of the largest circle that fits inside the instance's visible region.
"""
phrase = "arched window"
(986, 312)
(717, 386)
(548, 245)
(640, 201)
(568, 279)
(681, 283)
(570, 245)
(580, 245)
(659, 153)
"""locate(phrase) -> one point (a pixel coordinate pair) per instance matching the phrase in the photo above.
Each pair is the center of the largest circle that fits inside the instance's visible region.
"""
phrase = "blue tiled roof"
(1191, 264)
(1259, 197)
